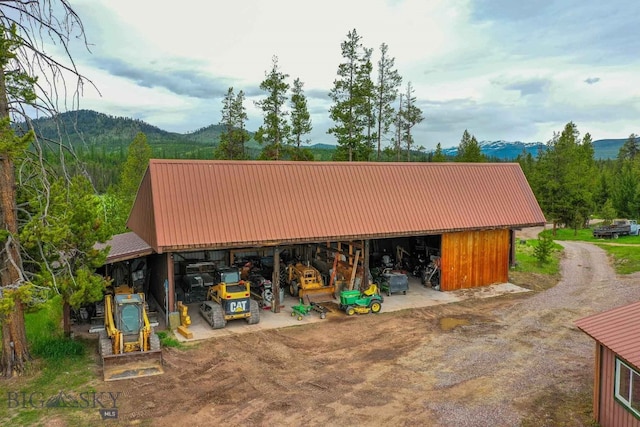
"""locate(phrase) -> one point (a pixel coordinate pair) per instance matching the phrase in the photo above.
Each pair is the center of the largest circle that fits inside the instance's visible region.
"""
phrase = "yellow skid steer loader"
(128, 345)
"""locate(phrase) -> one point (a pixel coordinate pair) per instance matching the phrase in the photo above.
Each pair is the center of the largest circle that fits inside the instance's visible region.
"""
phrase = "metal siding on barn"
(612, 413)
(474, 258)
(142, 217)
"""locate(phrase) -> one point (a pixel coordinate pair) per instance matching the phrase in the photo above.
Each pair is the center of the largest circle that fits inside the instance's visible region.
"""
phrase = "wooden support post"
(275, 281)
(365, 265)
(354, 269)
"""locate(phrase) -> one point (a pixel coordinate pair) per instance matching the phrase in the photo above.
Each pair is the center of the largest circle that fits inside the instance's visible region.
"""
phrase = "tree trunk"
(14, 338)
(15, 352)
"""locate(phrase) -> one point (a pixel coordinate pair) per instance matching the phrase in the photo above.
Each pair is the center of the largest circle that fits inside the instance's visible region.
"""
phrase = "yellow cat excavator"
(128, 345)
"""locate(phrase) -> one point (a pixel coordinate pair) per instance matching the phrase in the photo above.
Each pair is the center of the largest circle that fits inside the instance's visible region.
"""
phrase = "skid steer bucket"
(132, 365)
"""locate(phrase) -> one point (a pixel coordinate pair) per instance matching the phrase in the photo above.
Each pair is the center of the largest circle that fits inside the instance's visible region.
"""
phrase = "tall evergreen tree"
(396, 141)
(119, 200)
(233, 118)
(389, 80)
(274, 133)
(135, 166)
(240, 133)
(625, 190)
(411, 116)
(300, 121)
(564, 179)
(630, 148)
(366, 107)
(61, 235)
(438, 155)
(469, 150)
(526, 161)
(349, 103)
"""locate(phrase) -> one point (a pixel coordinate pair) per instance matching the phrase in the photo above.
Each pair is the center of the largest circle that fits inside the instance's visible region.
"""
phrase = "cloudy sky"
(502, 69)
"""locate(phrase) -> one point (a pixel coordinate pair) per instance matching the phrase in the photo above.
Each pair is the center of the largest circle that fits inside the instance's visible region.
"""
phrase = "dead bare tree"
(29, 28)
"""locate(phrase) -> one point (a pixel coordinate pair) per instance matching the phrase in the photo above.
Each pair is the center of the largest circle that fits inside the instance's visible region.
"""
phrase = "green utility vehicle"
(368, 301)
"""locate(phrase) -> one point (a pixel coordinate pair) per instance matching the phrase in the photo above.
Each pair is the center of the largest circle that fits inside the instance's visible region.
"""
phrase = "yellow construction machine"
(229, 298)
(306, 281)
(128, 345)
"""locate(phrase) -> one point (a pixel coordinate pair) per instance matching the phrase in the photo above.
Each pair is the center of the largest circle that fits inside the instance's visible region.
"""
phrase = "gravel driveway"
(533, 346)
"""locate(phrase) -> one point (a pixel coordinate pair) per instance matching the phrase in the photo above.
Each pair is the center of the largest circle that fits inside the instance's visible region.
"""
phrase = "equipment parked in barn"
(620, 227)
(368, 301)
(391, 281)
(128, 345)
(304, 280)
(431, 275)
(229, 298)
(303, 309)
(262, 290)
(196, 279)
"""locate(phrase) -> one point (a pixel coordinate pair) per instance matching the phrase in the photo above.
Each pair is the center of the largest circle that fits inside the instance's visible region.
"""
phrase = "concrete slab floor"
(417, 296)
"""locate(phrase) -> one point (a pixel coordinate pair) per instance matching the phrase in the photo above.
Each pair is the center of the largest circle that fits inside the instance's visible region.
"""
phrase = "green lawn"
(527, 262)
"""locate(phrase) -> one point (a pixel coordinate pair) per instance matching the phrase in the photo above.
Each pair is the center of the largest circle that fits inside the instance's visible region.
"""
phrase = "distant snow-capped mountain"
(506, 150)
(503, 150)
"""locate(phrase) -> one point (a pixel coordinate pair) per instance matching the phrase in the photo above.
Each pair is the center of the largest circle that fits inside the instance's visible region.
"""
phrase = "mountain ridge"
(93, 128)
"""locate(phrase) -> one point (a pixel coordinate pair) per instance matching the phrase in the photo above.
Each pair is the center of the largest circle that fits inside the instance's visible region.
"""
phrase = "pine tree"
(135, 166)
(366, 108)
(274, 133)
(234, 136)
(240, 134)
(411, 116)
(386, 94)
(350, 101)
(119, 200)
(565, 178)
(396, 141)
(630, 148)
(300, 121)
(469, 150)
(62, 233)
(625, 190)
(438, 155)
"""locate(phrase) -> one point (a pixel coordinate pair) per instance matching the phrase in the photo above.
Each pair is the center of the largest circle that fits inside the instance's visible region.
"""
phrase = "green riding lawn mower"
(367, 301)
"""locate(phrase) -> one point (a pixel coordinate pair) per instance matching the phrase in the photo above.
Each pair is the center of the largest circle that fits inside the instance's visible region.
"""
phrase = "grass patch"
(45, 336)
(61, 367)
(526, 261)
(168, 340)
(529, 273)
(553, 407)
(626, 259)
(584, 234)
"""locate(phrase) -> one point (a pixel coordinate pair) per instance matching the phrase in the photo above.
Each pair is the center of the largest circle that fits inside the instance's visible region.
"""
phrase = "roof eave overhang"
(336, 238)
(128, 256)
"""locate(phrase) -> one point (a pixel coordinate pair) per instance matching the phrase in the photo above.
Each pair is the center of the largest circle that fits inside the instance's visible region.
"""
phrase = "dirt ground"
(511, 360)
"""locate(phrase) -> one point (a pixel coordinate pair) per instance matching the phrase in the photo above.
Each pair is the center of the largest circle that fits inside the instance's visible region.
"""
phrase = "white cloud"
(501, 69)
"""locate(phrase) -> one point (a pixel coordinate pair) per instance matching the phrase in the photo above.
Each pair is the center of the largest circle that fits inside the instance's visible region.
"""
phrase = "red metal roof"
(617, 329)
(186, 204)
(125, 246)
